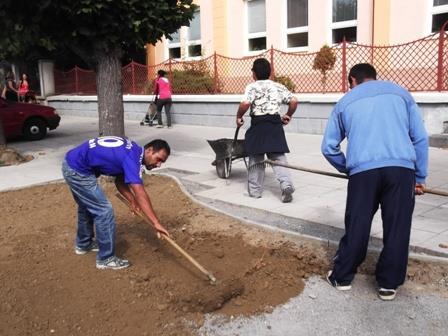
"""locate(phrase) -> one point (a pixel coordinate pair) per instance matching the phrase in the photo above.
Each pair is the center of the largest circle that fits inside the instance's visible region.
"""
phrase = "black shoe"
(387, 294)
(343, 286)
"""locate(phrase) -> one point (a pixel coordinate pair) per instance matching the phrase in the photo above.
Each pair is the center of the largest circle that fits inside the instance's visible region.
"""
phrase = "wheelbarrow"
(227, 150)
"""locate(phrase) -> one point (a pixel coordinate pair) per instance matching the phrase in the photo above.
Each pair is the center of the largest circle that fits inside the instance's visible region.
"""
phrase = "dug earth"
(47, 289)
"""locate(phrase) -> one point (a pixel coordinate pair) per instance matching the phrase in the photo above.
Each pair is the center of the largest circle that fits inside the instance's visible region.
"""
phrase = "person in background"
(10, 91)
(164, 91)
(23, 87)
(387, 163)
(266, 135)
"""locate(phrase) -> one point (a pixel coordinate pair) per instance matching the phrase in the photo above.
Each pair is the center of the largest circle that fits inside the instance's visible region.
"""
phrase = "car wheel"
(35, 129)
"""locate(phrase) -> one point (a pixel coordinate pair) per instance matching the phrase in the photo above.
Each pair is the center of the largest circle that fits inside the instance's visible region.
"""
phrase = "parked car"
(29, 120)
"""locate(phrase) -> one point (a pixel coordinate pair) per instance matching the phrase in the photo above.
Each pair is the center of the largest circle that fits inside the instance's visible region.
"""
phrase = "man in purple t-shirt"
(125, 160)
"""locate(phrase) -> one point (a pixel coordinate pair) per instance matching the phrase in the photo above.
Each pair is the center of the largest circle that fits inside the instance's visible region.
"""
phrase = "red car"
(29, 120)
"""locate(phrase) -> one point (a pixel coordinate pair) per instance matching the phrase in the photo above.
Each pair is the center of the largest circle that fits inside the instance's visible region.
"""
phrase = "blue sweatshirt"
(383, 127)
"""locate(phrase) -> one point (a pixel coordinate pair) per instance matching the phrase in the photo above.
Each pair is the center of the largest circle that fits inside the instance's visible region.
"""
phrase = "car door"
(12, 118)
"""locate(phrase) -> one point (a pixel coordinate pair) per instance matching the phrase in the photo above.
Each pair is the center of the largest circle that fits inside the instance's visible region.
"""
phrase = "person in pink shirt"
(163, 90)
(23, 87)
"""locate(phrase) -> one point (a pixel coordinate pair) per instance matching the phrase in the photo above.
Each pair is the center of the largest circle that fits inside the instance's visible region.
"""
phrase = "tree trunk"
(110, 93)
(2, 135)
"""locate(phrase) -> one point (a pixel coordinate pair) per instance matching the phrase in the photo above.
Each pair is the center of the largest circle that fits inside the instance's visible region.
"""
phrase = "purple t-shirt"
(108, 155)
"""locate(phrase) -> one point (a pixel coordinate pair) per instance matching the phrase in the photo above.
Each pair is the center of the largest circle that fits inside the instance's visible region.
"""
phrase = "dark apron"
(266, 135)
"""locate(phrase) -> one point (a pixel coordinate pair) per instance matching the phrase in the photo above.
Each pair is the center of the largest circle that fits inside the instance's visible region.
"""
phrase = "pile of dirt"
(9, 157)
(47, 289)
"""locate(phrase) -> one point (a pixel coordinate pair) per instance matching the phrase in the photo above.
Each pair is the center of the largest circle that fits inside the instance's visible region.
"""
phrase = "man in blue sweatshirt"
(387, 159)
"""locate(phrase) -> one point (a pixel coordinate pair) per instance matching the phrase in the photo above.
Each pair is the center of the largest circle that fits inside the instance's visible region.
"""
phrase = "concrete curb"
(231, 210)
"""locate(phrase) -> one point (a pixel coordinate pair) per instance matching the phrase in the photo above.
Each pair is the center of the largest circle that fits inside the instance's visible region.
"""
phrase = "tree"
(98, 31)
(324, 61)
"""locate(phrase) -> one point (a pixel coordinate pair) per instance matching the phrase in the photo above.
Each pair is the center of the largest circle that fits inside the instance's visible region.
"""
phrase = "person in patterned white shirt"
(266, 135)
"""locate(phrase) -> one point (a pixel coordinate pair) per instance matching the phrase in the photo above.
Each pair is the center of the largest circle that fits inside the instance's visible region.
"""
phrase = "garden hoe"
(172, 242)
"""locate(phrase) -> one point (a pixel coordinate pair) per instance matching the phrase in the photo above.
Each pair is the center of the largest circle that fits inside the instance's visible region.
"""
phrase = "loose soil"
(47, 289)
(9, 157)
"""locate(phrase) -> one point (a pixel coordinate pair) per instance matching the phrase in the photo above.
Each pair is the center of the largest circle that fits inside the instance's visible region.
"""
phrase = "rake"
(268, 162)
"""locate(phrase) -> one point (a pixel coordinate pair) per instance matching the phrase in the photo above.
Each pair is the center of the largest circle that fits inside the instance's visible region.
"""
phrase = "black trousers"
(392, 188)
(160, 104)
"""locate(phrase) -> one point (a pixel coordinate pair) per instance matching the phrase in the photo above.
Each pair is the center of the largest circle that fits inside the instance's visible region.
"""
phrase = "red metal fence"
(421, 65)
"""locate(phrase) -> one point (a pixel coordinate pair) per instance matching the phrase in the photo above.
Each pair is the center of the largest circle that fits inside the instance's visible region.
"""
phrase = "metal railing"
(419, 65)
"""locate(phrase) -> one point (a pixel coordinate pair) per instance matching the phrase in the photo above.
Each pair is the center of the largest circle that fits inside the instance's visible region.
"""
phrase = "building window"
(439, 14)
(193, 41)
(297, 24)
(256, 19)
(344, 20)
(174, 45)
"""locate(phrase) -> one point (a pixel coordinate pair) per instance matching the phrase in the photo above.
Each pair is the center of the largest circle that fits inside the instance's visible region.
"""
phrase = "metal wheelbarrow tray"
(226, 151)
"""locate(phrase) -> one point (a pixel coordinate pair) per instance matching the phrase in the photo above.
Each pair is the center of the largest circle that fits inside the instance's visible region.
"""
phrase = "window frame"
(435, 10)
(250, 36)
(294, 30)
(172, 45)
(189, 43)
(341, 24)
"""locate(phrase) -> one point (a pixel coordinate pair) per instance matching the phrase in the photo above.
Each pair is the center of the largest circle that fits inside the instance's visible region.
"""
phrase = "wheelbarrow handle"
(234, 140)
(236, 134)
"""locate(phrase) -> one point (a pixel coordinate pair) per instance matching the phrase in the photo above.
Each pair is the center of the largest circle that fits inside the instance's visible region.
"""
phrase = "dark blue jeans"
(94, 210)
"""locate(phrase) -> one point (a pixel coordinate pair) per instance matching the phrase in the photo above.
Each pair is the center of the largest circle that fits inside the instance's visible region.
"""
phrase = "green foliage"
(87, 27)
(286, 81)
(194, 77)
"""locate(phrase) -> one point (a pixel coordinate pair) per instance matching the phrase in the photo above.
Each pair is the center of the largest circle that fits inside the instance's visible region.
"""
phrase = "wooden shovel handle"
(169, 240)
(322, 172)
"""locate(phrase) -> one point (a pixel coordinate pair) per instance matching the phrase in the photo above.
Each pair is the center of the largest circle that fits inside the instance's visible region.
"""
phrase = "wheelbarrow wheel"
(224, 167)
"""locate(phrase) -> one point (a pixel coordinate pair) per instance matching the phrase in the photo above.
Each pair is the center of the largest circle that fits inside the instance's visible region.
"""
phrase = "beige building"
(238, 28)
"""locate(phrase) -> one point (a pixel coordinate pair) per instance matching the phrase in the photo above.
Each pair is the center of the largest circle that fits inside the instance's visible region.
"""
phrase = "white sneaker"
(159, 126)
(93, 246)
(335, 284)
(113, 262)
(387, 294)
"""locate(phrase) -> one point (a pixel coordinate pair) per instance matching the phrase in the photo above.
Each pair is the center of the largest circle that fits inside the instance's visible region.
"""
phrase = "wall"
(409, 22)
(311, 116)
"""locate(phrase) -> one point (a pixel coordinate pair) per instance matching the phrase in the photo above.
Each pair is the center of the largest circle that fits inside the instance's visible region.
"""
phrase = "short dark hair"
(361, 72)
(159, 144)
(161, 73)
(261, 68)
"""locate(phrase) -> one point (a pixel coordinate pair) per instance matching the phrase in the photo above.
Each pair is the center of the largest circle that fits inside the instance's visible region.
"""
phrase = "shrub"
(286, 81)
(324, 61)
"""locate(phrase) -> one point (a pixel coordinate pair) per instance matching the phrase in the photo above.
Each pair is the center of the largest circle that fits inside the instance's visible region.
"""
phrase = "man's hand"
(161, 229)
(419, 188)
(242, 108)
(135, 208)
(286, 119)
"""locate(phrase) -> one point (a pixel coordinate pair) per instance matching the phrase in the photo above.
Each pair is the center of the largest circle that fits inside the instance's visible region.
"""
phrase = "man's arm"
(331, 143)
(292, 106)
(123, 188)
(242, 109)
(419, 138)
(144, 203)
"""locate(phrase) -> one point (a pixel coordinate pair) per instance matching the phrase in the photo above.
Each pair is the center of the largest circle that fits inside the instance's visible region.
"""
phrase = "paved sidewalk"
(318, 206)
